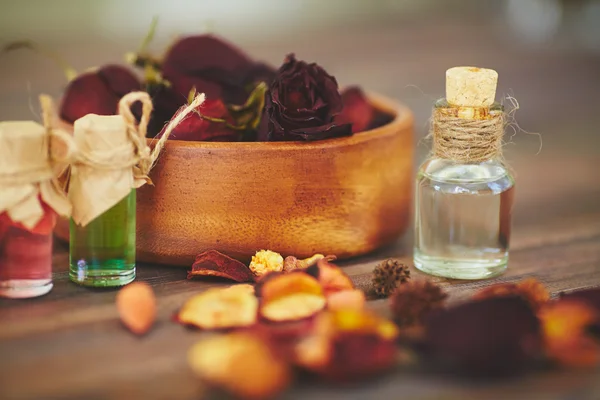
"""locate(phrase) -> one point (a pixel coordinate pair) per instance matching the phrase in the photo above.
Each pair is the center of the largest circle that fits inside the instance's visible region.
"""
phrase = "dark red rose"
(211, 123)
(97, 92)
(302, 103)
(357, 110)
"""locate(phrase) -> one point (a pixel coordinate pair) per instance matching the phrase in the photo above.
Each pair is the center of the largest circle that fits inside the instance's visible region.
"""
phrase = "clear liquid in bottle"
(463, 219)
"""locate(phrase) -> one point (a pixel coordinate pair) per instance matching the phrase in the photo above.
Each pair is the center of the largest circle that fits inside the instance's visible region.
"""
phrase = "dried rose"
(530, 289)
(213, 263)
(568, 333)
(136, 305)
(241, 363)
(357, 110)
(290, 297)
(301, 104)
(491, 337)
(221, 308)
(348, 345)
(265, 261)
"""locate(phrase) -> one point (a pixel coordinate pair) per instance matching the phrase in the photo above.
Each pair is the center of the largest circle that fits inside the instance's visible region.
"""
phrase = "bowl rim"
(403, 119)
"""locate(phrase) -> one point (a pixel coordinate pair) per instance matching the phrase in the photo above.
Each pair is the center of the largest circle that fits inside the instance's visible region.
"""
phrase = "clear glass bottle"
(102, 253)
(463, 214)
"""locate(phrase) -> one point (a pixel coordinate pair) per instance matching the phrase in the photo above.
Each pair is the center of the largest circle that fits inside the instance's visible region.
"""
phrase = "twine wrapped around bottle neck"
(467, 140)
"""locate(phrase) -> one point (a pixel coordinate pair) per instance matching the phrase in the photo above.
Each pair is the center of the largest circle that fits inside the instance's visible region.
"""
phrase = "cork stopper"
(471, 86)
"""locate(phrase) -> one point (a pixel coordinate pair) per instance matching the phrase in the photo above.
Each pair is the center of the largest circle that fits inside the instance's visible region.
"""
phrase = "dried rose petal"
(213, 263)
(490, 337)
(241, 363)
(221, 308)
(289, 297)
(348, 345)
(210, 123)
(332, 278)
(353, 299)
(567, 337)
(97, 92)
(588, 296)
(357, 110)
(531, 289)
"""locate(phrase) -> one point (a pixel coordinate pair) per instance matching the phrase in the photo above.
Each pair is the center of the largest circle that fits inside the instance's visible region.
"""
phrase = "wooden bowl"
(344, 196)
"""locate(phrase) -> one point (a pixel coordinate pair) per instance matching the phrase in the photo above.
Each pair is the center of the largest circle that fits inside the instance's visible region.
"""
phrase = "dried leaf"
(242, 364)
(213, 263)
(289, 297)
(568, 339)
(221, 308)
(136, 305)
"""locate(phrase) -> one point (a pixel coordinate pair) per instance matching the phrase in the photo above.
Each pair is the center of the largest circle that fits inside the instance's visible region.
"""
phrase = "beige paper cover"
(27, 173)
(104, 173)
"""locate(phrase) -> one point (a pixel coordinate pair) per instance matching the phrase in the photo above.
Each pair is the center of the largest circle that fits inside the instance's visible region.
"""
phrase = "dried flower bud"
(242, 364)
(413, 301)
(136, 304)
(568, 338)
(265, 261)
(530, 289)
(221, 308)
(388, 275)
(289, 297)
(291, 263)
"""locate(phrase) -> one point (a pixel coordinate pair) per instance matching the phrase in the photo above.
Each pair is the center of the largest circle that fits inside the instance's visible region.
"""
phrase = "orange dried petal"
(566, 339)
(240, 363)
(348, 344)
(289, 297)
(221, 308)
(353, 299)
(136, 305)
(332, 278)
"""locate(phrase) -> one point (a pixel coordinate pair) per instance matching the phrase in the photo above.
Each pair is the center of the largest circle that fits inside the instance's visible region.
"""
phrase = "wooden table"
(71, 345)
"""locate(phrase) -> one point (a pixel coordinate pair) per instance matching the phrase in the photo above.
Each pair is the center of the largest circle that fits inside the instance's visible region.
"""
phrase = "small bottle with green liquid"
(102, 190)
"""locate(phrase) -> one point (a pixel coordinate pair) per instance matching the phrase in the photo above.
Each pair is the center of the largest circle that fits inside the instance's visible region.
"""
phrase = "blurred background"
(547, 52)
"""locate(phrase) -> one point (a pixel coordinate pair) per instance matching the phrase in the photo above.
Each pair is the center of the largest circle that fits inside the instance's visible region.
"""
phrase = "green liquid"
(102, 254)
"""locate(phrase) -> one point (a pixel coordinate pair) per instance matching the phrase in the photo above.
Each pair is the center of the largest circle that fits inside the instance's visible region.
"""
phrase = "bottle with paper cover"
(102, 190)
(30, 201)
(464, 192)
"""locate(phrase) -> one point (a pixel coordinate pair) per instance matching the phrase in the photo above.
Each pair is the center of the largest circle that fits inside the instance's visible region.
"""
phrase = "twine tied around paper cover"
(467, 140)
(143, 159)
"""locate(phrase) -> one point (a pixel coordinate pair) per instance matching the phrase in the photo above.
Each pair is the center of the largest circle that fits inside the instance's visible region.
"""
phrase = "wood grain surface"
(70, 344)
